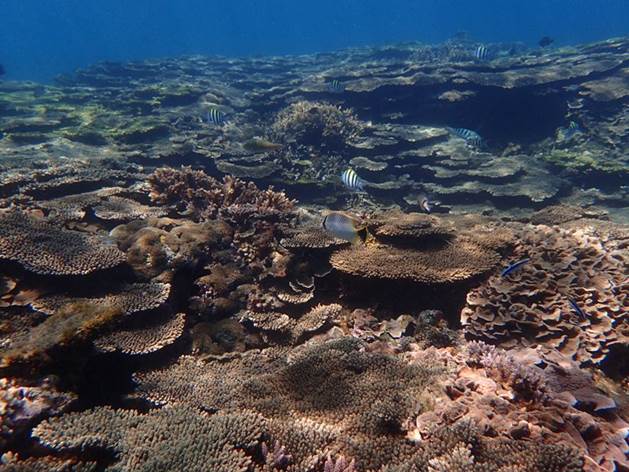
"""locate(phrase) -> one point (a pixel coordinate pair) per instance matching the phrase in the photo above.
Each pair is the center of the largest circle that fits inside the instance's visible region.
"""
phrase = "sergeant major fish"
(481, 53)
(335, 86)
(344, 226)
(470, 137)
(215, 116)
(351, 180)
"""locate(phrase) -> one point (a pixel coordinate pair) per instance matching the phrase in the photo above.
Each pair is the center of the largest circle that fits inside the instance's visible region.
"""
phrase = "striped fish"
(335, 86)
(215, 116)
(351, 180)
(481, 53)
(471, 137)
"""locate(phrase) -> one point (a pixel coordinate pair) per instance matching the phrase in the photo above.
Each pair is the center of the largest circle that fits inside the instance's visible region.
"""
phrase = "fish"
(335, 86)
(1, 69)
(258, 144)
(481, 53)
(471, 137)
(576, 308)
(571, 130)
(344, 226)
(425, 204)
(215, 116)
(546, 41)
(351, 180)
(516, 265)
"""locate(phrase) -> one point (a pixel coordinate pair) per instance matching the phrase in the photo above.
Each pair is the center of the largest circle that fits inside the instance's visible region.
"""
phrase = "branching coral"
(198, 194)
(316, 123)
(166, 439)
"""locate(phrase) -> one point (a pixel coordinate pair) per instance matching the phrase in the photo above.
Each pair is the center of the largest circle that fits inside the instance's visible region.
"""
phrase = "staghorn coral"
(366, 395)
(317, 124)
(532, 306)
(143, 340)
(195, 192)
(44, 248)
(166, 439)
(12, 463)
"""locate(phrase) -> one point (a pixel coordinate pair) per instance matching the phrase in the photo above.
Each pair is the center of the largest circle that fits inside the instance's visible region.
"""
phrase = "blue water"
(42, 38)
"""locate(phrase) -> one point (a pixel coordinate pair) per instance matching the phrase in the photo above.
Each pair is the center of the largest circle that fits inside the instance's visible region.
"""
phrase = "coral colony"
(171, 300)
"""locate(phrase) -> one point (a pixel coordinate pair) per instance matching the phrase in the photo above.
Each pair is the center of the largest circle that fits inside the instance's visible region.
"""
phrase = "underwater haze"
(332, 236)
(41, 39)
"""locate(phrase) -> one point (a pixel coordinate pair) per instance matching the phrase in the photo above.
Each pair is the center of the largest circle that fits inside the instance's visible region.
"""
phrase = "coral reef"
(204, 321)
(22, 406)
(206, 198)
(44, 248)
(143, 340)
(584, 267)
(317, 124)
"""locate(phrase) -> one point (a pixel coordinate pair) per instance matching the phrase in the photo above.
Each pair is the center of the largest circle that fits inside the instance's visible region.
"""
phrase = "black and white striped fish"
(335, 86)
(215, 116)
(471, 137)
(351, 180)
(481, 53)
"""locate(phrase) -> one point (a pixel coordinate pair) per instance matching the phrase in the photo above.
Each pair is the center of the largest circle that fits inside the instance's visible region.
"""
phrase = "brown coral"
(316, 123)
(128, 299)
(165, 439)
(455, 262)
(44, 248)
(143, 340)
(532, 306)
(203, 196)
(410, 226)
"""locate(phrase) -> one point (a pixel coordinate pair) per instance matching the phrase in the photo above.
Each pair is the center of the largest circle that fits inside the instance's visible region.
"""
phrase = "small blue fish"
(470, 137)
(215, 116)
(335, 86)
(576, 308)
(481, 53)
(343, 226)
(516, 265)
(351, 180)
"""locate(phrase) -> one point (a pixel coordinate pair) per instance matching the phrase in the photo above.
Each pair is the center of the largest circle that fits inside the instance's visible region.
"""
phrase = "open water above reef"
(400, 258)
